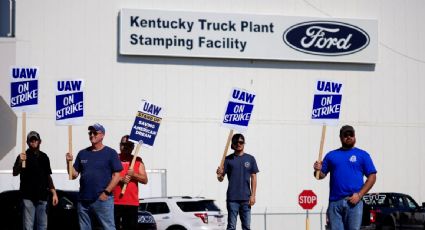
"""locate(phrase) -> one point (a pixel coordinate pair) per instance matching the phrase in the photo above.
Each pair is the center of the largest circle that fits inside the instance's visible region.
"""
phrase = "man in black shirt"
(36, 183)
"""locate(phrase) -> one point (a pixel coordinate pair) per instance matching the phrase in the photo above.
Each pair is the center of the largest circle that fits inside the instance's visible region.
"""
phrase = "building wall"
(384, 102)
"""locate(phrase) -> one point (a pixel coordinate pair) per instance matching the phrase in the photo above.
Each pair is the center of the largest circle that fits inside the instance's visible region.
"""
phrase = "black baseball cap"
(346, 128)
(32, 135)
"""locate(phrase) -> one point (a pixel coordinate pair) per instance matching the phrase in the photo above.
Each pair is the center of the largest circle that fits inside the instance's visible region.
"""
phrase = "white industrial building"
(383, 96)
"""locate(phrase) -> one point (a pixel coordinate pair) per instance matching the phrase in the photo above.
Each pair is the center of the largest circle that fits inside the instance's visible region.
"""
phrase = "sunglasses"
(94, 133)
(348, 134)
(239, 142)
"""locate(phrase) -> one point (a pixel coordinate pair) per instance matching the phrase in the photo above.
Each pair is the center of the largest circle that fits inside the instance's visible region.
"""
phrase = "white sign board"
(69, 102)
(239, 109)
(24, 88)
(146, 124)
(327, 102)
(247, 36)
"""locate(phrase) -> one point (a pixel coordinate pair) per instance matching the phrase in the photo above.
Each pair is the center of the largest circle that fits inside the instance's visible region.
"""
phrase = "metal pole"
(265, 219)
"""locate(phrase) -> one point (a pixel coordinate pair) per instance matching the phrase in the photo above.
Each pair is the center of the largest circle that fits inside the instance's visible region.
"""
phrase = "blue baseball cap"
(97, 127)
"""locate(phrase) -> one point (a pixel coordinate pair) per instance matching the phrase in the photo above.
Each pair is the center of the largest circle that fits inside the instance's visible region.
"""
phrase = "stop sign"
(307, 199)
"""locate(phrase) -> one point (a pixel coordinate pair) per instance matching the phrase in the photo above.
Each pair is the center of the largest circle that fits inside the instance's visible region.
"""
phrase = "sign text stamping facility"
(247, 36)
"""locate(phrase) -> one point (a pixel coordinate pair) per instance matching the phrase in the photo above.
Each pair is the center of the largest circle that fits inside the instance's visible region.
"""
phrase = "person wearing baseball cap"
(97, 127)
(99, 169)
(347, 166)
(36, 183)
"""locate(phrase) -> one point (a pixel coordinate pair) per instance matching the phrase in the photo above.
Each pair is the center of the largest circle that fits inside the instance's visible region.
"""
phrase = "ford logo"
(326, 38)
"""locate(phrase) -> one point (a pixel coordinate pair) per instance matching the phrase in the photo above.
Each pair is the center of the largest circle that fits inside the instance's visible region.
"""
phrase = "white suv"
(184, 213)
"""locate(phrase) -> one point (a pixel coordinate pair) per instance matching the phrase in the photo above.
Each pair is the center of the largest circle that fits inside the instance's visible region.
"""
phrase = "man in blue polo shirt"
(99, 168)
(347, 165)
(241, 169)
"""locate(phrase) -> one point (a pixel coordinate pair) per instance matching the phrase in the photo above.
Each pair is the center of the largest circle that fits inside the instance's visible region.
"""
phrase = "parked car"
(146, 221)
(62, 216)
(184, 213)
(391, 211)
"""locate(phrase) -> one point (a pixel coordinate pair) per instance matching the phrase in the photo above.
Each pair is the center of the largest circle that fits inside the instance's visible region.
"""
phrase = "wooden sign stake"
(133, 161)
(322, 141)
(24, 127)
(226, 148)
(69, 163)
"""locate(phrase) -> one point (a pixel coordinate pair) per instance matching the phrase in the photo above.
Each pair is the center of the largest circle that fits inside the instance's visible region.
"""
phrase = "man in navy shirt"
(100, 168)
(241, 169)
(347, 167)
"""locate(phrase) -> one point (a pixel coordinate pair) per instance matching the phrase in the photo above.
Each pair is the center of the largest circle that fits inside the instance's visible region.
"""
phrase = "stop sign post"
(307, 200)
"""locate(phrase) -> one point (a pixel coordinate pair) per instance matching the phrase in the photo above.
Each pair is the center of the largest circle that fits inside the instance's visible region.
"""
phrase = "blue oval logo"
(326, 38)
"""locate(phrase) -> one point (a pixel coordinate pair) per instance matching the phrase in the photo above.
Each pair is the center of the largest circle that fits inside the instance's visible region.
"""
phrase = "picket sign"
(237, 115)
(23, 95)
(144, 130)
(69, 109)
(326, 109)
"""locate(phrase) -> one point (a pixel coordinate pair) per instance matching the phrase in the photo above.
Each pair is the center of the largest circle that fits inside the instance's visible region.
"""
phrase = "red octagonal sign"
(307, 199)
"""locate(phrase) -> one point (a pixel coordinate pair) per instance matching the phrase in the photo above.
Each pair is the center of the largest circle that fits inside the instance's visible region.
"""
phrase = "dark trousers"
(125, 217)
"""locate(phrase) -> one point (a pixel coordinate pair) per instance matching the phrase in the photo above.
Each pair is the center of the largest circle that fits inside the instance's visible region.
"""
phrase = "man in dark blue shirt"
(100, 168)
(241, 169)
(347, 165)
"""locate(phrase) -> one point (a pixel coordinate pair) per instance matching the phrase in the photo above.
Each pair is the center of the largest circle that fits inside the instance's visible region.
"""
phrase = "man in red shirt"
(126, 206)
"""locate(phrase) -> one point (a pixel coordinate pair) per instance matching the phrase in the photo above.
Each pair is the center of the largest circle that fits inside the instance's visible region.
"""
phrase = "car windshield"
(197, 206)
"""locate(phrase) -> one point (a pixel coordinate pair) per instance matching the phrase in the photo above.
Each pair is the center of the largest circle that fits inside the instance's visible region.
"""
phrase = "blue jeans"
(34, 211)
(244, 210)
(102, 210)
(345, 216)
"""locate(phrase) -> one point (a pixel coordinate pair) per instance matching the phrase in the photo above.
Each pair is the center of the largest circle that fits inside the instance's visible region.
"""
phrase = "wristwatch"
(107, 192)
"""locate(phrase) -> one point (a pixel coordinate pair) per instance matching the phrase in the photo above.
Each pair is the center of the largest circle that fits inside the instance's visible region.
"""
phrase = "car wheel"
(176, 228)
(389, 224)
(388, 227)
